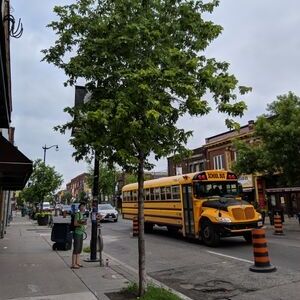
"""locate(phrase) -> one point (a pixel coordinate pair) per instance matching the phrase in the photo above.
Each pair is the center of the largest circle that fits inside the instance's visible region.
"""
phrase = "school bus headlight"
(223, 220)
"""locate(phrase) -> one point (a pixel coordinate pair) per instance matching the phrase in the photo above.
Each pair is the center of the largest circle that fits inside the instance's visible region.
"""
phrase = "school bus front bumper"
(231, 229)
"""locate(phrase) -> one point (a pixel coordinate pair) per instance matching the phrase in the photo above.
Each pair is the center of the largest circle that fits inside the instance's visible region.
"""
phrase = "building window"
(235, 155)
(201, 166)
(218, 162)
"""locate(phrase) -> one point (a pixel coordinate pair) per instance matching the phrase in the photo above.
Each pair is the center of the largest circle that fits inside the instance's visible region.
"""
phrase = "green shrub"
(87, 249)
(152, 293)
(42, 214)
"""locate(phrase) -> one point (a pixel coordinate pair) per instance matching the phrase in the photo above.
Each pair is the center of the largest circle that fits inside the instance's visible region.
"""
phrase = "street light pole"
(47, 148)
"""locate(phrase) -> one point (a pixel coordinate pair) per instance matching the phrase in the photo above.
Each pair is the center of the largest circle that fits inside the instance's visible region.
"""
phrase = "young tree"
(144, 64)
(66, 197)
(278, 133)
(44, 181)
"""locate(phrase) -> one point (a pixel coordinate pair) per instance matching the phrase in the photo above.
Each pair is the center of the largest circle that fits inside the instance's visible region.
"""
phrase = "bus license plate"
(259, 223)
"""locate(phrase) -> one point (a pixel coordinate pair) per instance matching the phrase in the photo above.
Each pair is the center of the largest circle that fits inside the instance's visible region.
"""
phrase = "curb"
(157, 283)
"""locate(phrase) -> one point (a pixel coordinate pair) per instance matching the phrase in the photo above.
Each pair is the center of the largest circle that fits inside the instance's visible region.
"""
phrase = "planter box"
(42, 221)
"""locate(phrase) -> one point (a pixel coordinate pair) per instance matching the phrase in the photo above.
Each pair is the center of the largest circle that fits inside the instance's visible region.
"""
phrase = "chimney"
(251, 124)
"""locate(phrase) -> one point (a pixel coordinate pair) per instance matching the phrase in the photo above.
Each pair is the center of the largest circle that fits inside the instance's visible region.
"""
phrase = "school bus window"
(175, 192)
(134, 196)
(152, 194)
(147, 194)
(231, 188)
(202, 189)
(163, 193)
(157, 194)
(168, 193)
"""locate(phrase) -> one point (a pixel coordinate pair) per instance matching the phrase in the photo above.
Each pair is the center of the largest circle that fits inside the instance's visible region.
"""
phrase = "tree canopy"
(43, 183)
(145, 67)
(278, 148)
(66, 197)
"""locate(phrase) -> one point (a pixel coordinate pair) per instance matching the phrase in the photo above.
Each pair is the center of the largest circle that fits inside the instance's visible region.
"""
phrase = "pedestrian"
(79, 223)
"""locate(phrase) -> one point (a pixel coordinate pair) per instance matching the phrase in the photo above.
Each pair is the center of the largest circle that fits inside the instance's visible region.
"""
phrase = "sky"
(260, 40)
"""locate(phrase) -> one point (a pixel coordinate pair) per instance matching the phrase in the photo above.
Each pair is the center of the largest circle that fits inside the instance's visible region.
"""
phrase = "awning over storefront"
(15, 167)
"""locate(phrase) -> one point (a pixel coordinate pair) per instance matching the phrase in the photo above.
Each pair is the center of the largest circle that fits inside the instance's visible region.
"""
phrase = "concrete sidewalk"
(30, 269)
(289, 224)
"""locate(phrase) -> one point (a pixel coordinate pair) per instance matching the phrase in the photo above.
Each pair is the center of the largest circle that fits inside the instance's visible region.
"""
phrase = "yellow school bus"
(205, 205)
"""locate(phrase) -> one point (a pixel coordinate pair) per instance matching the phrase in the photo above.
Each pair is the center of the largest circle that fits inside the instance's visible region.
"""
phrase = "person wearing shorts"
(79, 223)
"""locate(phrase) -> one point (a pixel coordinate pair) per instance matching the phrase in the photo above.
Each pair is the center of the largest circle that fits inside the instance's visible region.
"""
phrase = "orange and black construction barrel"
(278, 230)
(260, 251)
(135, 227)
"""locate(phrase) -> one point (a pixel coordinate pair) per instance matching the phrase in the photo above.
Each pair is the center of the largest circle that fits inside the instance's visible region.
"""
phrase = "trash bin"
(61, 234)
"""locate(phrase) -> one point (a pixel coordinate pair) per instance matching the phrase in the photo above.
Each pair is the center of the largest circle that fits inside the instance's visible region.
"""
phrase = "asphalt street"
(166, 250)
(214, 273)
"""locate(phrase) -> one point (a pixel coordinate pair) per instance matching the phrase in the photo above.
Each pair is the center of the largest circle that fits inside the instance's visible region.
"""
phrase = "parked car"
(108, 212)
(74, 209)
(46, 206)
(66, 208)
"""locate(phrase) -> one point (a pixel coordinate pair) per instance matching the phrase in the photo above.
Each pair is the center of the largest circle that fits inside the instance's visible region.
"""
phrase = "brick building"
(196, 162)
(78, 184)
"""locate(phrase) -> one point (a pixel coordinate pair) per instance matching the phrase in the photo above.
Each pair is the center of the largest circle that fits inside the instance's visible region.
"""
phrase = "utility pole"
(95, 192)
(95, 208)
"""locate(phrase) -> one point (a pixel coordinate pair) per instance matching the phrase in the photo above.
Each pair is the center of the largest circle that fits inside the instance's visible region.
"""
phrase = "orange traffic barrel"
(278, 225)
(260, 251)
(135, 227)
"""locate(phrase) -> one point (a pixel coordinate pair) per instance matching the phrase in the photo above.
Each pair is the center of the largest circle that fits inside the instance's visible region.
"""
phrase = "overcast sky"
(260, 40)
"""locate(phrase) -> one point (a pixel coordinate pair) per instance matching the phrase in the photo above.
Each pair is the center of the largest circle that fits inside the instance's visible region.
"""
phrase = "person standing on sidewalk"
(79, 223)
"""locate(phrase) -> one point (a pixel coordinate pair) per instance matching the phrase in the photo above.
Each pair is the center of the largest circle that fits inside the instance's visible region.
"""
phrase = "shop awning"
(15, 167)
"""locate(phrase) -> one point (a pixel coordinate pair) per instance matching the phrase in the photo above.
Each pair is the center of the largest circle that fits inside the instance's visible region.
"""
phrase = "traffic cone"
(260, 250)
(135, 227)
(278, 225)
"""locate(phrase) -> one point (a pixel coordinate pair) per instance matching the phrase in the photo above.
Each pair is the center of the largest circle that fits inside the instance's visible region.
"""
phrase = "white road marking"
(45, 234)
(154, 281)
(229, 256)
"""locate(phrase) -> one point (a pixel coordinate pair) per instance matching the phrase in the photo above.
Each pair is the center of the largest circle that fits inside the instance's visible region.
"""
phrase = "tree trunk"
(141, 239)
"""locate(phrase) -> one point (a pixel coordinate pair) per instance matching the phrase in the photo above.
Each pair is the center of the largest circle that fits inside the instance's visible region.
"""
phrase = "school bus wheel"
(148, 227)
(248, 237)
(208, 234)
(173, 230)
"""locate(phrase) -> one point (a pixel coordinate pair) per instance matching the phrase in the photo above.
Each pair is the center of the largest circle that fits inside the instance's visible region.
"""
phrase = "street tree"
(145, 67)
(66, 197)
(43, 183)
(278, 148)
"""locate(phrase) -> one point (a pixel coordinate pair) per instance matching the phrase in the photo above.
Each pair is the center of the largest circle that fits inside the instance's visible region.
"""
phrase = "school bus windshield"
(207, 189)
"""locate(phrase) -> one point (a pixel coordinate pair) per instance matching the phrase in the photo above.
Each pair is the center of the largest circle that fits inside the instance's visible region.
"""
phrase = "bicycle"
(84, 236)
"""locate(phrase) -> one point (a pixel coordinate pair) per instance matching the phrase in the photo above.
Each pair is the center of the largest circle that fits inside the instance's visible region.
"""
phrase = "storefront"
(15, 169)
(287, 199)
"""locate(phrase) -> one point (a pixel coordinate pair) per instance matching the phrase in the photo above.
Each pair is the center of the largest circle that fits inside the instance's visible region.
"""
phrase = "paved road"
(199, 271)
(163, 249)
